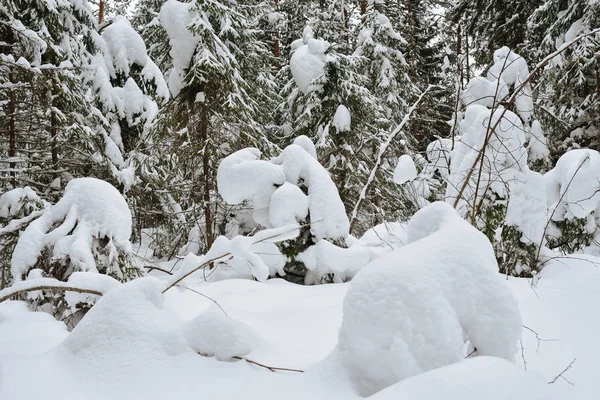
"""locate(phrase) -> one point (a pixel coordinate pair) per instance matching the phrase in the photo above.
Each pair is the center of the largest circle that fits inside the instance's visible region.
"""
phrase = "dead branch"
(270, 368)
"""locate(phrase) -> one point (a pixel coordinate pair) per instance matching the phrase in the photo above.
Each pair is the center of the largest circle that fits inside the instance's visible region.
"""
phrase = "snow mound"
(308, 61)
(128, 320)
(89, 210)
(408, 311)
(213, 334)
(473, 379)
(99, 282)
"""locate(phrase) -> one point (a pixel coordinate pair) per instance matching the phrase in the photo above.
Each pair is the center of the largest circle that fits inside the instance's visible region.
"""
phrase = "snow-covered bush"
(490, 181)
(88, 229)
(294, 188)
(413, 309)
(17, 208)
(573, 193)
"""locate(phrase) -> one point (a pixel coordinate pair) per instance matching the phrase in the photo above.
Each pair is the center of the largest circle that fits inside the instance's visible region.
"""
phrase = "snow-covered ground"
(140, 352)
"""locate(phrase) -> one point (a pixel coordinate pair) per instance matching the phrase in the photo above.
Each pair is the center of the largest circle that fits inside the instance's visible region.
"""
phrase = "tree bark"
(101, 12)
(276, 51)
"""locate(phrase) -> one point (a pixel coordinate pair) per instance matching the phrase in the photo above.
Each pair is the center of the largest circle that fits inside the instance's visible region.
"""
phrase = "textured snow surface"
(297, 327)
(89, 209)
(13, 201)
(444, 280)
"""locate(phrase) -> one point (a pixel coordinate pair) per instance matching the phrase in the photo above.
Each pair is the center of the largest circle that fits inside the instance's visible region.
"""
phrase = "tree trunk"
(276, 51)
(101, 12)
(12, 135)
(206, 175)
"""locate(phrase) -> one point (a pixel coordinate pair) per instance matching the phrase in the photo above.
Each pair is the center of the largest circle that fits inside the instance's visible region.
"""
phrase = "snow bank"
(478, 378)
(213, 334)
(308, 61)
(408, 311)
(89, 210)
(128, 320)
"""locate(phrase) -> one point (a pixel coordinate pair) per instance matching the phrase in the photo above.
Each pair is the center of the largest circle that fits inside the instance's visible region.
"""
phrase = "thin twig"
(205, 296)
(270, 368)
(562, 372)
(46, 287)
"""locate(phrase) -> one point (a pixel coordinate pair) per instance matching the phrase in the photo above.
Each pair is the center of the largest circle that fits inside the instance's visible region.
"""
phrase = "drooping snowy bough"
(413, 309)
(87, 230)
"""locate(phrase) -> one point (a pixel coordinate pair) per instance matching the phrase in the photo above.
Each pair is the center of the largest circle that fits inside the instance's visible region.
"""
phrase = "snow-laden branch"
(382, 151)
(32, 285)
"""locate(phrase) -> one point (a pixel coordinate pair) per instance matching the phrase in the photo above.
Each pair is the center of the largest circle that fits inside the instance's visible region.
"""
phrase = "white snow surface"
(91, 209)
(444, 280)
(137, 355)
(217, 335)
(13, 201)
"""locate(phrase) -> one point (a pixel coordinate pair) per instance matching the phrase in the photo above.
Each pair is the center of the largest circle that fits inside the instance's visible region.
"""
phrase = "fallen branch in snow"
(42, 284)
(537, 337)
(472, 352)
(272, 369)
(382, 150)
(523, 355)
(151, 268)
(562, 372)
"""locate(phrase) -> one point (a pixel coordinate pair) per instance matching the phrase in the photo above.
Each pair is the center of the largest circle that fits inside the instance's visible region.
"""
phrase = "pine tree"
(213, 111)
(569, 88)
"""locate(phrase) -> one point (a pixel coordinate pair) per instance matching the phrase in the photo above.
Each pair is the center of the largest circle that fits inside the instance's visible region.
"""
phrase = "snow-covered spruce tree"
(215, 53)
(328, 101)
(426, 34)
(569, 87)
(490, 181)
(487, 25)
(52, 125)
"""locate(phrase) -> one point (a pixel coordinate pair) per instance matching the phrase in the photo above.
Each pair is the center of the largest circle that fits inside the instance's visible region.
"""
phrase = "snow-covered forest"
(299, 199)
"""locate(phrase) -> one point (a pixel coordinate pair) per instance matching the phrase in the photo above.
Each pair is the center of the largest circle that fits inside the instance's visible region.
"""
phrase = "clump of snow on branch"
(308, 60)
(405, 170)
(176, 17)
(410, 310)
(342, 119)
(90, 210)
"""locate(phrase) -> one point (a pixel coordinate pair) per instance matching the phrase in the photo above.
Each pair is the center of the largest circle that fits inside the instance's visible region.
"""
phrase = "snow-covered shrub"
(17, 207)
(573, 192)
(88, 229)
(294, 188)
(490, 181)
(412, 310)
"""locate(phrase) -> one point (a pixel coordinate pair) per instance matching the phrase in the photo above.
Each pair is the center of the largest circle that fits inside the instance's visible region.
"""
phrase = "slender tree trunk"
(458, 60)
(276, 51)
(363, 8)
(206, 175)
(468, 72)
(12, 135)
(101, 12)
